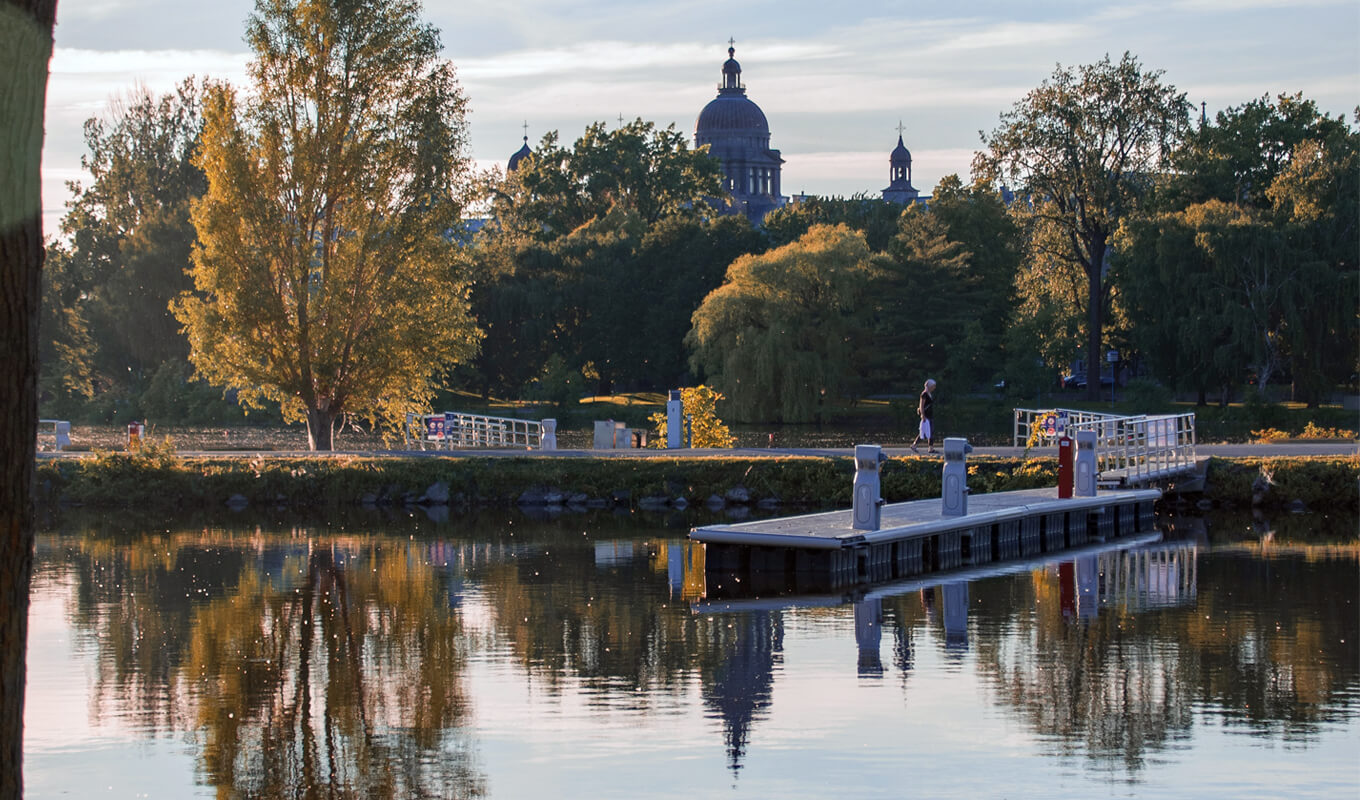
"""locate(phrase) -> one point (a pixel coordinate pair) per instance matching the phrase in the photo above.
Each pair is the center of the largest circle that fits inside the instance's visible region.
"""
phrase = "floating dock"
(915, 537)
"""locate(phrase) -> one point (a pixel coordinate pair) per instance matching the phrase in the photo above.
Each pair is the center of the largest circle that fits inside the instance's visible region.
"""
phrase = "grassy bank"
(163, 482)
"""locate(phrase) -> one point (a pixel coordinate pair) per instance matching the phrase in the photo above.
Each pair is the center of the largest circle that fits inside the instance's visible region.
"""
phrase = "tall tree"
(25, 50)
(779, 334)
(129, 239)
(1083, 147)
(1251, 262)
(328, 279)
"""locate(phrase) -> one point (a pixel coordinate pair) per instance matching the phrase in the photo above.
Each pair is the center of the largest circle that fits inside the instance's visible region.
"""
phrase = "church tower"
(899, 188)
(520, 154)
(738, 135)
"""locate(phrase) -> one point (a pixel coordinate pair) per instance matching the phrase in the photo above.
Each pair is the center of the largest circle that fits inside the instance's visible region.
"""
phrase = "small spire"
(526, 131)
(900, 128)
(620, 120)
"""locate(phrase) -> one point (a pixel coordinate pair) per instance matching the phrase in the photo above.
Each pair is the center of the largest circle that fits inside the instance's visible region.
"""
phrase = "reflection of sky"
(115, 759)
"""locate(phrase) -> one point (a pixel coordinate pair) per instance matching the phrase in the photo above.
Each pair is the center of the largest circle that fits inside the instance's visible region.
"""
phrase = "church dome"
(731, 110)
(732, 113)
(520, 154)
(900, 154)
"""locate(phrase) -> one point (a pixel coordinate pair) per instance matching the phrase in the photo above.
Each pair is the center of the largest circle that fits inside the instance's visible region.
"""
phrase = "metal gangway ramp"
(455, 430)
(1131, 451)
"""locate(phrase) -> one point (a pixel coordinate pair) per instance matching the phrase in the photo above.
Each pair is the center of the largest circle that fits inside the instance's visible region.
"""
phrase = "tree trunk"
(320, 429)
(25, 49)
(1093, 324)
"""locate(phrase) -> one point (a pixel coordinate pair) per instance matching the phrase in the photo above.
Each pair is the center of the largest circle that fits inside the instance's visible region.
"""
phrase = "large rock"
(533, 497)
(738, 494)
(437, 494)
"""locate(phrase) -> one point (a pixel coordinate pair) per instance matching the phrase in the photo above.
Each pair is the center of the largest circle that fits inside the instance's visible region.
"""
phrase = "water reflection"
(306, 661)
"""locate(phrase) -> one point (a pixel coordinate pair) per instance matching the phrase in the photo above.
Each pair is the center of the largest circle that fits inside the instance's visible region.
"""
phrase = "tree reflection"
(305, 669)
(1242, 640)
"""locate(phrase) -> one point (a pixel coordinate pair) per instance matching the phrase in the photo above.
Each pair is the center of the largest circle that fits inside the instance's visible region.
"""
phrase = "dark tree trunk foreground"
(25, 49)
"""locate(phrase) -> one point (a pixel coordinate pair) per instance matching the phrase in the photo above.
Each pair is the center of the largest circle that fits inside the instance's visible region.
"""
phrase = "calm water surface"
(587, 656)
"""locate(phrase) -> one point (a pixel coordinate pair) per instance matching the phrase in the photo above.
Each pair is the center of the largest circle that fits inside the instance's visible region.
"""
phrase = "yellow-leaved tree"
(328, 277)
(781, 333)
(706, 429)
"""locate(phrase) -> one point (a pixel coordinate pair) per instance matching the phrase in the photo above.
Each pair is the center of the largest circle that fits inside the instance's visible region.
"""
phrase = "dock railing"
(1131, 449)
(457, 430)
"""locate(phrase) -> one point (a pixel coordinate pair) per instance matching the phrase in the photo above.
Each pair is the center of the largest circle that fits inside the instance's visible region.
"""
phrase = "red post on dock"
(1065, 476)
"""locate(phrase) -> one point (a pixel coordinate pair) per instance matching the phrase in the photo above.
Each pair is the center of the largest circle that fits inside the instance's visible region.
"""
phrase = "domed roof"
(900, 153)
(520, 154)
(731, 110)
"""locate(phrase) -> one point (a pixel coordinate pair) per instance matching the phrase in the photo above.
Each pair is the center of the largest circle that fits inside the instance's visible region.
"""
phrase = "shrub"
(706, 430)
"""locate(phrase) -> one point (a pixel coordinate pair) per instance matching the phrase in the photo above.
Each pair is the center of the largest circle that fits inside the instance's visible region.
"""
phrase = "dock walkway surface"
(833, 530)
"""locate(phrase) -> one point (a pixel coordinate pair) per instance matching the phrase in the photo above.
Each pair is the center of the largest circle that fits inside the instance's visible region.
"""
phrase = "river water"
(503, 656)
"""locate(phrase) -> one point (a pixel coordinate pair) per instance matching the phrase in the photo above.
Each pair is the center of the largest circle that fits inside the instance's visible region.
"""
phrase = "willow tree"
(781, 332)
(327, 275)
(1083, 148)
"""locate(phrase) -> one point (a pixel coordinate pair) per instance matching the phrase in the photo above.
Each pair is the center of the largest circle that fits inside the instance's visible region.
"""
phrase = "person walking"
(925, 409)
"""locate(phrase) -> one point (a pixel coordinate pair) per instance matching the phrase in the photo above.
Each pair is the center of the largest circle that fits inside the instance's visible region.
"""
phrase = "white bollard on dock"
(954, 489)
(1084, 469)
(867, 504)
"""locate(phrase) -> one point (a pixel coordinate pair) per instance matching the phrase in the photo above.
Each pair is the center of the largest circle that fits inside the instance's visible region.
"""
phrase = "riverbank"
(162, 481)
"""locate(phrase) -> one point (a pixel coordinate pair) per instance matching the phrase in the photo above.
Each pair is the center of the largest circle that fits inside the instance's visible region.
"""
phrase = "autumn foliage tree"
(1082, 149)
(327, 276)
(779, 335)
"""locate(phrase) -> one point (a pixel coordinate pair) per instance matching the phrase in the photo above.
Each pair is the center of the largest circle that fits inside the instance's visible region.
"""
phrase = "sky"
(835, 80)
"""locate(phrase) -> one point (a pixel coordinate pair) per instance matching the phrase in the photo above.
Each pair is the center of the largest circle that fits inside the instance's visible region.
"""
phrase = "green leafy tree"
(1251, 264)
(127, 249)
(779, 334)
(67, 347)
(598, 254)
(870, 216)
(1318, 196)
(327, 277)
(1083, 148)
(975, 301)
(700, 404)
(919, 306)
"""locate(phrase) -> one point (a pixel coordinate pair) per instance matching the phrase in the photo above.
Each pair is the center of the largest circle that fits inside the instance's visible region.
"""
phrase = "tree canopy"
(780, 334)
(596, 256)
(327, 277)
(1082, 150)
(1249, 265)
(127, 247)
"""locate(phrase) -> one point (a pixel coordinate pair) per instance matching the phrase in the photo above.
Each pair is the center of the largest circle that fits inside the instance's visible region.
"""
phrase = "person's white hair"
(930, 383)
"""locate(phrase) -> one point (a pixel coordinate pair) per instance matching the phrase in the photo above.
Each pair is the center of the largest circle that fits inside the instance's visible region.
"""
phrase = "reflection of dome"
(520, 154)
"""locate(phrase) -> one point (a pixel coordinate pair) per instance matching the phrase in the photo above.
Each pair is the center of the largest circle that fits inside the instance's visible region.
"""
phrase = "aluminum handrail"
(1140, 447)
(458, 430)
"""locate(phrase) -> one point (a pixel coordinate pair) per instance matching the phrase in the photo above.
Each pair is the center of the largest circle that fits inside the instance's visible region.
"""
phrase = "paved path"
(1340, 448)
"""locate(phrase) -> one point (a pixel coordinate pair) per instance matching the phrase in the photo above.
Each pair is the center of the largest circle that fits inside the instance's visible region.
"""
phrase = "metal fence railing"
(456, 430)
(1134, 448)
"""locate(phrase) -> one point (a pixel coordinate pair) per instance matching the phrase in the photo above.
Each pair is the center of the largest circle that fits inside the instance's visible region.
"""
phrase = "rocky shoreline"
(163, 482)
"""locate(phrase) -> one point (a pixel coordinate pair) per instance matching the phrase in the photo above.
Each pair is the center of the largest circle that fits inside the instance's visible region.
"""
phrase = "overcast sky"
(834, 79)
